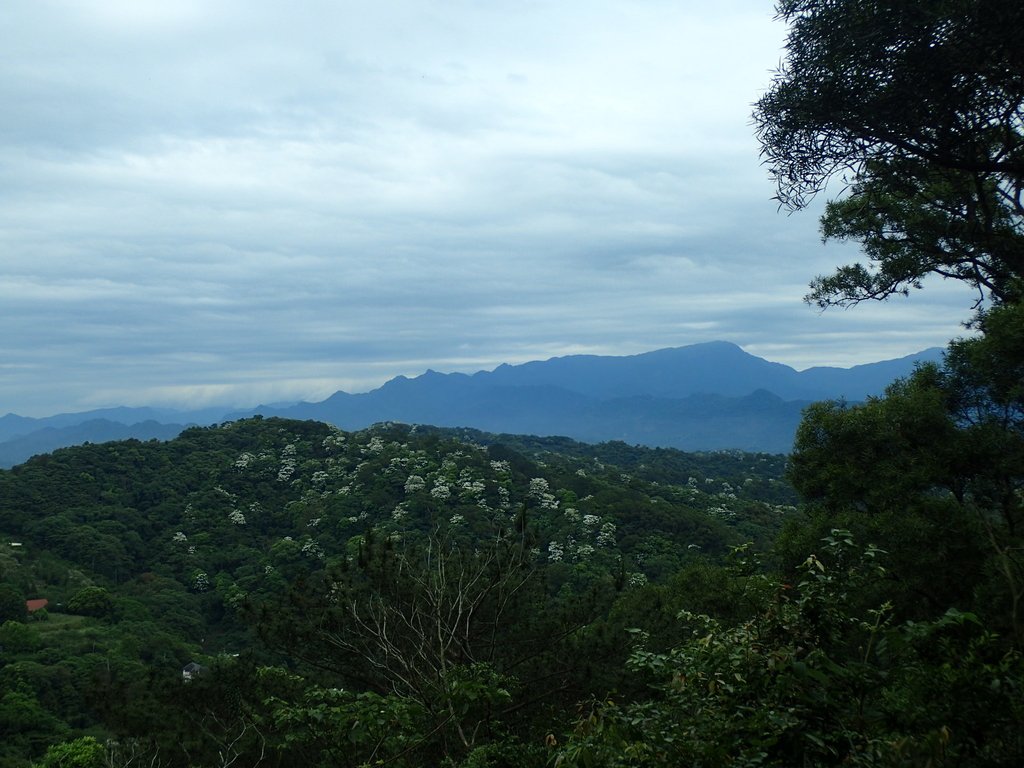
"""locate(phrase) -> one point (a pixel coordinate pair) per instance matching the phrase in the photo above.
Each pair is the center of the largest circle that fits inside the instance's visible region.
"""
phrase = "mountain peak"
(698, 397)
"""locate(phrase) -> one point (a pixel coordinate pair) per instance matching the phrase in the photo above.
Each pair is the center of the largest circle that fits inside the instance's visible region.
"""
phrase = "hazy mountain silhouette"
(700, 397)
(716, 367)
(48, 439)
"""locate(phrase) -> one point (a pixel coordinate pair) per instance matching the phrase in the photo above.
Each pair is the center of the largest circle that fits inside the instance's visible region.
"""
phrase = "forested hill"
(153, 555)
(281, 593)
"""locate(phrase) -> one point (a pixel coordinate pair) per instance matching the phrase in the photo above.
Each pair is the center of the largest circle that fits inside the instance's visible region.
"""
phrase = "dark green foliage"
(934, 473)
(342, 728)
(27, 727)
(12, 604)
(808, 680)
(454, 630)
(914, 220)
(934, 80)
(158, 554)
(85, 752)
(16, 637)
(399, 595)
(91, 601)
(921, 102)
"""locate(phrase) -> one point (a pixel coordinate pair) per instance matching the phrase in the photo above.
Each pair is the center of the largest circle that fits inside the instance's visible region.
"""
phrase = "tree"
(919, 106)
(889, 470)
(453, 629)
(428, 623)
(933, 471)
(12, 604)
(91, 601)
(85, 752)
(17, 637)
(812, 679)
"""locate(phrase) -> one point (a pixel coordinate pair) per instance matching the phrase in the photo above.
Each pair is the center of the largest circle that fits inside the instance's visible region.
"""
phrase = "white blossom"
(538, 486)
(473, 488)
(284, 474)
(333, 440)
(399, 514)
(637, 580)
(222, 492)
(539, 490)
(200, 581)
(606, 537)
(179, 537)
(312, 549)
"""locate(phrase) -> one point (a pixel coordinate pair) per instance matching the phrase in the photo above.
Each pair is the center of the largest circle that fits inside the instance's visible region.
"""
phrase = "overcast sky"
(206, 201)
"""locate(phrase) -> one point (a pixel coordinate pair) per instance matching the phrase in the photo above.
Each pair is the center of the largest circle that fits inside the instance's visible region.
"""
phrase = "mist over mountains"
(709, 396)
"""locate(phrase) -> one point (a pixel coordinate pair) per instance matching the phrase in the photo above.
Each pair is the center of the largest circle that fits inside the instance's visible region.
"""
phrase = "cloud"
(246, 201)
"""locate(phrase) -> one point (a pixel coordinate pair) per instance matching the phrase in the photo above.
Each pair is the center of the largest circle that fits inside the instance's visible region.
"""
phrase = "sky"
(208, 202)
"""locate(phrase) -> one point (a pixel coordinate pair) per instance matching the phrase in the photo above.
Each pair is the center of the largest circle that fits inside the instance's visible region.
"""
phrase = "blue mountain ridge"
(701, 397)
(709, 396)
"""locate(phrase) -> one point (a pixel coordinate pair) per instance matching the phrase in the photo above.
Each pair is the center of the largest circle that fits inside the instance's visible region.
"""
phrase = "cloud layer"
(237, 202)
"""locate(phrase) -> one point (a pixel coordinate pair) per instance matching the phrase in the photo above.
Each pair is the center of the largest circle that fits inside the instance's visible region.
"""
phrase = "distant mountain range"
(708, 396)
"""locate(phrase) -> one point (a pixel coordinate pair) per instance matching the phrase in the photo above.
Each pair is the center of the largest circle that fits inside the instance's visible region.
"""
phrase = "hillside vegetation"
(273, 552)
(420, 596)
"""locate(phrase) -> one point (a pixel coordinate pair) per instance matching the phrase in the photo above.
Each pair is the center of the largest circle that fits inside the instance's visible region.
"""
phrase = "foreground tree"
(933, 471)
(919, 106)
(454, 636)
(812, 679)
